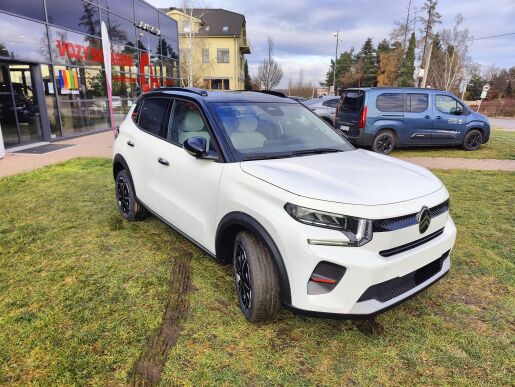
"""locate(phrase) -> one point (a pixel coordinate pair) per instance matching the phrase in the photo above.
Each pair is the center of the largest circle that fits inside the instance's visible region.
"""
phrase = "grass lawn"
(500, 146)
(81, 292)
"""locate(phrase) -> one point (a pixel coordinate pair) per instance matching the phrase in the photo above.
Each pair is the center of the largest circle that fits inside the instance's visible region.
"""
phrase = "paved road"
(503, 123)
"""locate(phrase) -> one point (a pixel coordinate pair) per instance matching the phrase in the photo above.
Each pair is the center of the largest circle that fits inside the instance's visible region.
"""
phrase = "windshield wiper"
(316, 151)
(266, 157)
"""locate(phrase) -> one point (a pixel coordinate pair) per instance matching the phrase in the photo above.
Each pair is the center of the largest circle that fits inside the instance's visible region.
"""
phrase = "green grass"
(500, 146)
(81, 292)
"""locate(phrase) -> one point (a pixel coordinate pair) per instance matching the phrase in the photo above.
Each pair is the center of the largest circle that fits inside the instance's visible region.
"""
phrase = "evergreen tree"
(475, 86)
(408, 65)
(367, 64)
(382, 48)
(343, 67)
(248, 81)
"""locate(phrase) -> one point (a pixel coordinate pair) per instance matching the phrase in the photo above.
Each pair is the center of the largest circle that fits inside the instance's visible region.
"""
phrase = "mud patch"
(148, 369)
(369, 327)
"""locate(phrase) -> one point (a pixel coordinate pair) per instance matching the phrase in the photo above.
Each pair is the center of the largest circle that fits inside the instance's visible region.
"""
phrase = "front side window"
(417, 102)
(187, 122)
(447, 104)
(261, 130)
(390, 102)
(152, 114)
(222, 55)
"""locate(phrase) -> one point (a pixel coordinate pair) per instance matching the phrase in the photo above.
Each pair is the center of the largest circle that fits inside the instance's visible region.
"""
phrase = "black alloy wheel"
(472, 140)
(122, 195)
(126, 197)
(384, 143)
(242, 272)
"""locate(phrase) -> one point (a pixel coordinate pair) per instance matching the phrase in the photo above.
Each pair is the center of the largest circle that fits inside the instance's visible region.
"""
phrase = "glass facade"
(61, 40)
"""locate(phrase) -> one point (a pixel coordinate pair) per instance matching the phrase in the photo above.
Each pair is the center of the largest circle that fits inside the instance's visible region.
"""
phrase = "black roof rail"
(195, 90)
(271, 92)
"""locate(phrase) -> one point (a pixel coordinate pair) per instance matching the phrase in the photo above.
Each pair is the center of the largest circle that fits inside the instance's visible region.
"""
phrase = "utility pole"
(337, 34)
(426, 66)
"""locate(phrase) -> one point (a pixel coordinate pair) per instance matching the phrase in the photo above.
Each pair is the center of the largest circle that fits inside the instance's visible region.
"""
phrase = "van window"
(352, 101)
(152, 114)
(447, 104)
(390, 102)
(332, 103)
(416, 102)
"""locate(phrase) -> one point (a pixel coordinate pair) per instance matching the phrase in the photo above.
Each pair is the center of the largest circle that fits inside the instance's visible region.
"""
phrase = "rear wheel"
(384, 143)
(473, 140)
(126, 197)
(256, 279)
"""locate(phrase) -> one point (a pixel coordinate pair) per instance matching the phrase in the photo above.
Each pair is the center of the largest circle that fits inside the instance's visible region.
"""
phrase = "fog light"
(325, 277)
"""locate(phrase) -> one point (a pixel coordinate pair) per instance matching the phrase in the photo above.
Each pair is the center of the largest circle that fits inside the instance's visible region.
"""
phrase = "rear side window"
(390, 102)
(352, 101)
(152, 114)
(416, 102)
(332, 103)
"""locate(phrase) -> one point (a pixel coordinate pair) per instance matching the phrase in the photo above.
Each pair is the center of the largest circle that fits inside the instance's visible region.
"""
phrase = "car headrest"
(193, 122)
(247, 124)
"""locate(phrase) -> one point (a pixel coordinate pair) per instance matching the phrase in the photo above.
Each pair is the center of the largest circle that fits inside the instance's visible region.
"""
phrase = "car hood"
(352, 177)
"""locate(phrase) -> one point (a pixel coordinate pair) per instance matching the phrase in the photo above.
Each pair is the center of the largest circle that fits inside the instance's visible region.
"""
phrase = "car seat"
(193, 126)
(246, 136)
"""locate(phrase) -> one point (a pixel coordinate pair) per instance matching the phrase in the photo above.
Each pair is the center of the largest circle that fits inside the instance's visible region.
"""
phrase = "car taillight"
(363, 118)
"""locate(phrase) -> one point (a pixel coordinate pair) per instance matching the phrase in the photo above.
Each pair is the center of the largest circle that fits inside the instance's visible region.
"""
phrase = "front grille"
(410, 245)
(385, 291)
(392, 224)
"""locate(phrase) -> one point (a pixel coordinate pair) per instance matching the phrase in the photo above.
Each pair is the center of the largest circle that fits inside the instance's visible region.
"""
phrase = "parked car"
(324, 107)
(261, 182)
(385, 118)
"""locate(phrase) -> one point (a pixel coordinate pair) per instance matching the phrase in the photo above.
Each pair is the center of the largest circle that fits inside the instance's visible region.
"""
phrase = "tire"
(384, 143)
(126, 198)
(473, 140)
(257, 283)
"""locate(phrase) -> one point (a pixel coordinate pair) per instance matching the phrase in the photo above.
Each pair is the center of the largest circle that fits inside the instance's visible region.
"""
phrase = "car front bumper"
(371, 282)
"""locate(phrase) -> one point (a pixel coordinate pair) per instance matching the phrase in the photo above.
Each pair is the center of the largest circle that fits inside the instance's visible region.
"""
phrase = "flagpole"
(106, 48)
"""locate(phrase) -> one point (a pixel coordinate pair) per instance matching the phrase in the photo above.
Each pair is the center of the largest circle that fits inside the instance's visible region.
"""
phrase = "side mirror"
(196, 146)
(459, 111)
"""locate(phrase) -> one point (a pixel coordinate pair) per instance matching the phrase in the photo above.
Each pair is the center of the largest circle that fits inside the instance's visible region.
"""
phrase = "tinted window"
(187, 122)
(29, 8)
(352, 101)
(447, 104)
(70, 48)
(75, 15)
(152, 115)
(146, 13)
(168, 26)
(23, 39)
(390, 102)
(121, 7)
(169, 48)
(416, 102)
(148, 41)
(331, 102)
(120, 30)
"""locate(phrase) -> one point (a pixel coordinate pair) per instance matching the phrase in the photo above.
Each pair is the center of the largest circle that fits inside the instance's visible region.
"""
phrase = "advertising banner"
(106, 48)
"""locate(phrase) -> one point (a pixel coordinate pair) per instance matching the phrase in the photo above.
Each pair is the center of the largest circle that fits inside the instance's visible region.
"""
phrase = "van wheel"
(126, 198)
(256, 279)
(473, 140)
(384, 143)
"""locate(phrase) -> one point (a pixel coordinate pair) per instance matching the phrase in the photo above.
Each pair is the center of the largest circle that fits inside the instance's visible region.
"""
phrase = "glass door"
(19, 110)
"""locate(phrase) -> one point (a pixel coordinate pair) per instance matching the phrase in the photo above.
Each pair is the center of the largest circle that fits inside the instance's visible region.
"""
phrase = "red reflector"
(363, 118)
(324, 280)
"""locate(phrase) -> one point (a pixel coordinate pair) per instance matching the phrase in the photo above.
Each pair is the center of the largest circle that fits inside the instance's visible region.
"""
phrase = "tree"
(343, 66)
(389, 63)
(366, 61)
(403, 28)
(269, 72)
(408, 64)
(430, 18)
(475, 86)
(300, 87)
(248, 81)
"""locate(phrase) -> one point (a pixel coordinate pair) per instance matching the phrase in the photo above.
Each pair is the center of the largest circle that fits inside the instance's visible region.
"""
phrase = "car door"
(448, 120)
(418, 119)
(141, 144)
(187, 192)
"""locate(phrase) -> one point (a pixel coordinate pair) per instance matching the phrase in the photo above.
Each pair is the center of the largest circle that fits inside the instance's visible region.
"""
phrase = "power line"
(492, 36)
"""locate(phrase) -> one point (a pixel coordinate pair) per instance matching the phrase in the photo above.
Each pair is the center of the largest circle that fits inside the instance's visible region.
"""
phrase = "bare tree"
(269, 72)
(429, 19)
(404, 27)
(300, 87)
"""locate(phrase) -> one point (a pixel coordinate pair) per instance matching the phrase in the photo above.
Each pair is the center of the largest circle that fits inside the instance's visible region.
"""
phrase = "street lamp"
(337, 35)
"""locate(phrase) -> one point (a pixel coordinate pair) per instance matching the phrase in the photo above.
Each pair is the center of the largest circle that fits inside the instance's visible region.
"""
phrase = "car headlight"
(357, 230)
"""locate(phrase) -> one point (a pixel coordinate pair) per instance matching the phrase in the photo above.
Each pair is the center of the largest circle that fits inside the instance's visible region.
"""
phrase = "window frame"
(219, 51)
(464, 111)
(167, 115)
(406, 102)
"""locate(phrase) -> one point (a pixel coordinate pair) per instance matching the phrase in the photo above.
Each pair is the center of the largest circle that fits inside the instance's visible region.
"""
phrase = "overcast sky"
(303, 30)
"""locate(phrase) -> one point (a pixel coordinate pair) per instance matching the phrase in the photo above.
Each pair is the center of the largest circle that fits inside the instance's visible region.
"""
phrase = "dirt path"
(457, 163)
(148, 369)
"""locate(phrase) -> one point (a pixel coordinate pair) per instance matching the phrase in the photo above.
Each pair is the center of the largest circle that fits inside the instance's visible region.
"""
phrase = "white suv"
(259, 181)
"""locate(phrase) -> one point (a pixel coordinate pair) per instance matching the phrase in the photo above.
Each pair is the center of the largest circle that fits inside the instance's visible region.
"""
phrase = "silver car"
(324, 107)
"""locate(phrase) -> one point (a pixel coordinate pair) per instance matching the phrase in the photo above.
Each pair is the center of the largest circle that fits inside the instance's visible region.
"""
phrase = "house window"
(205, 55)
(222, 55)
(186, 26)
(225, 29)
(216, 84)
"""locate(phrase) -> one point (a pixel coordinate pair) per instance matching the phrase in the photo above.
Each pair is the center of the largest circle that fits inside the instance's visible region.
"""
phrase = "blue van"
(387, 117)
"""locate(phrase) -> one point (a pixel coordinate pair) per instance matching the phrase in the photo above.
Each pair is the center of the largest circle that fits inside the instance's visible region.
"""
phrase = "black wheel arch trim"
(117, 160)
(238, 220)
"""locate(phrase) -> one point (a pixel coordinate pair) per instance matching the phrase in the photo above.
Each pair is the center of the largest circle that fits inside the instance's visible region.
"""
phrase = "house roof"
(216, 21)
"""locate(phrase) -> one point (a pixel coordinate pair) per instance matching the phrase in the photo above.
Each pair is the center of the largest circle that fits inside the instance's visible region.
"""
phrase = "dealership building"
(52, 73)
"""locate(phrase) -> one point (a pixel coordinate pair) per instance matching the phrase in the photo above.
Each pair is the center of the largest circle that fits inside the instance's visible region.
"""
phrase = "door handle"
(130, 143)
(427, 117)
(160, 160)
(438, 117)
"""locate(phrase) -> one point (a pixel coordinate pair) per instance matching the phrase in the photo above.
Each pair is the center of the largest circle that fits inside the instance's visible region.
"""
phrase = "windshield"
(273, 130)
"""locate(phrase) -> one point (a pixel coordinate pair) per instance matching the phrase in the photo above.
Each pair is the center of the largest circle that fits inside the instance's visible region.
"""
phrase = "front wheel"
(256, 279)
(473, 140)
(384, 143)
(126, 197)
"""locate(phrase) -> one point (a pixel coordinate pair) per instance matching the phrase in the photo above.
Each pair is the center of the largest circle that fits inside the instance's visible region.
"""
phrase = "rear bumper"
(359, 137)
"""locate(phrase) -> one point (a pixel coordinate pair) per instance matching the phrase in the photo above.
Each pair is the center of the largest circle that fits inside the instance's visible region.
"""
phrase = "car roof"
(394, 88)
(224, 96)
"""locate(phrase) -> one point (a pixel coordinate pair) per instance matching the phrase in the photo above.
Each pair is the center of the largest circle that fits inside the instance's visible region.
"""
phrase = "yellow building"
(213, 44)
